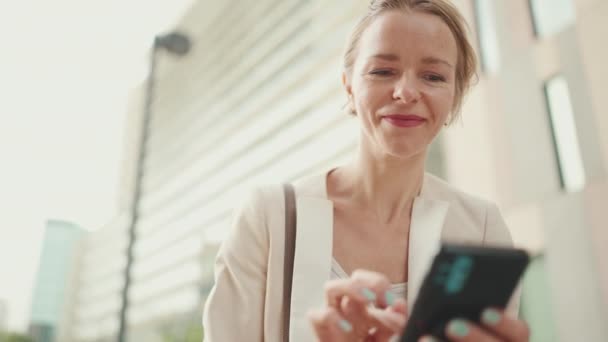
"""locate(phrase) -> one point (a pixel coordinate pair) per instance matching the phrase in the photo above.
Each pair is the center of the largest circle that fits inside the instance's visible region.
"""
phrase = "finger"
(366, 318)
(400, 306)
(335, 290)
(459, 330)
(391, 321)
(329, 325)
(357, 314)
(378, 283)
(501, 325)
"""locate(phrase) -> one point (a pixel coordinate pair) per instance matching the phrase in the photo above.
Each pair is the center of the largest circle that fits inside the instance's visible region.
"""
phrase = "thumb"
(400, 306)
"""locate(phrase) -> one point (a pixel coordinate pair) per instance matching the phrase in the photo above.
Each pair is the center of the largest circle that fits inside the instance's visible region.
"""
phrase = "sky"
(66, 70)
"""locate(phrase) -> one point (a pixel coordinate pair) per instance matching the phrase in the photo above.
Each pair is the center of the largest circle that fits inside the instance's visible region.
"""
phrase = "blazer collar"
(313, 254)
(314, 241)
(428, 217)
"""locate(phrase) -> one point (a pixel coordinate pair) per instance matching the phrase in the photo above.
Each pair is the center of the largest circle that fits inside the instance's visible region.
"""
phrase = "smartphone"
(461, 283)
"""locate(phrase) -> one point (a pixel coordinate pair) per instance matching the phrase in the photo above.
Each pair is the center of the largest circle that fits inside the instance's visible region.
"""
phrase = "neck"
(387, 185)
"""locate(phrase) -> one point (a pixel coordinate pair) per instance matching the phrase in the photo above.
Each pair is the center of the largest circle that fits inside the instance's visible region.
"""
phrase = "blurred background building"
(56, 263)
(259, 100)
(93, 309)
(3, 314)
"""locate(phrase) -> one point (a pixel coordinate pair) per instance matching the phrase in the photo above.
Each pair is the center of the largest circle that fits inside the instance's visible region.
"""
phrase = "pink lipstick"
(404, 120)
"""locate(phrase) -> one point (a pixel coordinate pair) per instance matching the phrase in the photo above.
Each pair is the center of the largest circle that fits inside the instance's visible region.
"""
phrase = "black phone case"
(462, 282)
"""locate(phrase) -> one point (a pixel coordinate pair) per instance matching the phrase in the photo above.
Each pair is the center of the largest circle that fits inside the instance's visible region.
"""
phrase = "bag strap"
(290, 248)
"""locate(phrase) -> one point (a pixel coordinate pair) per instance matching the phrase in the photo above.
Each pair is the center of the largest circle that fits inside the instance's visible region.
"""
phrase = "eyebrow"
(426, 60)
(385, 56)
(434, 60)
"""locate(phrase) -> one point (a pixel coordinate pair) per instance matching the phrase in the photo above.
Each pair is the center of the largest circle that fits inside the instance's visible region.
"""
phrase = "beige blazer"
(246, 301)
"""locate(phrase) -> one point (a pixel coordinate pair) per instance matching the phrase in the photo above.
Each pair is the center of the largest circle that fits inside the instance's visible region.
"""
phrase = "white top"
(337, 272)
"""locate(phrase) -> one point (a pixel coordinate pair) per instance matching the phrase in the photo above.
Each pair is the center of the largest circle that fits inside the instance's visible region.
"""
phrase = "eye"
(382, 72)
(434, 78)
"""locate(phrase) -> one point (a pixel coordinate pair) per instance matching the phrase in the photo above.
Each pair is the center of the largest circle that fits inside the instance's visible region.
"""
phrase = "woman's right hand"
(360, 308)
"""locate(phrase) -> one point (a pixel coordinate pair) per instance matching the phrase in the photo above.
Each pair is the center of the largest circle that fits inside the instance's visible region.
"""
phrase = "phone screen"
(461, 283)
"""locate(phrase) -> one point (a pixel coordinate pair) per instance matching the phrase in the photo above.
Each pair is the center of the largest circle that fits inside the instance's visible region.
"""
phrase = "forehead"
(413, 34)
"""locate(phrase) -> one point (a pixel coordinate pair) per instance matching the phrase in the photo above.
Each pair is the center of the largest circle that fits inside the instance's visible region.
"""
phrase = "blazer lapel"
(314, 240)
(428, 217)
(312, 262)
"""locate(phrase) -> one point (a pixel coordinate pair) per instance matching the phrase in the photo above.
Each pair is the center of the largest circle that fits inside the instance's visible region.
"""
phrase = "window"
(486, 33)
(572, 173)
(551, 16)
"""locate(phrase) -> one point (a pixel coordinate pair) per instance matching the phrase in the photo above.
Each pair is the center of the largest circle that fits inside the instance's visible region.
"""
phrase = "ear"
(349, 92)
(346, 84)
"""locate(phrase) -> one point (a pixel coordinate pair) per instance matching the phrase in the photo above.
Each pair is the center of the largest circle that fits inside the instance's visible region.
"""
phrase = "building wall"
(259, 100)
(3, 314)
(67, 319)
(131, 142)
(592, 31)
(518, 163)
(223, 124)
(95, 291)
(48, 299)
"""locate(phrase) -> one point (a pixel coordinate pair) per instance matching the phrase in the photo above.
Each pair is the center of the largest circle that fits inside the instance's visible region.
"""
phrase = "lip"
(404, 120)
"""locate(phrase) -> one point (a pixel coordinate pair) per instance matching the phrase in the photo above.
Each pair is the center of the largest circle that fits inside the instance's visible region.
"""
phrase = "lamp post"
(177, 44)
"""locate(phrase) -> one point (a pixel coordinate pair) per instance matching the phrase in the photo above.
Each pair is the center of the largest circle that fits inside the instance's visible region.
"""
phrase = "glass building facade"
(52, 279)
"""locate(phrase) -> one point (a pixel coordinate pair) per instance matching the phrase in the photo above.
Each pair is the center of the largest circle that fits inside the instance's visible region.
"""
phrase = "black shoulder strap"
(290, 248)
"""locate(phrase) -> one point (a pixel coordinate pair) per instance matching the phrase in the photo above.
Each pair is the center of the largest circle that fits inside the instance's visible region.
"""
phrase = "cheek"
(441, 102)
(369, 98)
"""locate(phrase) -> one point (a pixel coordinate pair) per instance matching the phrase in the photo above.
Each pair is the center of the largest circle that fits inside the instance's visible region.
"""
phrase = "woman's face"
(402, 82)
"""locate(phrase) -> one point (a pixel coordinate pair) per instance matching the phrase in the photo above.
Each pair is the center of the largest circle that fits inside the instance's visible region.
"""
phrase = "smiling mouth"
(404, 120)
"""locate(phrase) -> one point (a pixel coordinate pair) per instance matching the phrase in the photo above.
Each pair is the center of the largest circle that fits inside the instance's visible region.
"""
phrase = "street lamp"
(178, 44)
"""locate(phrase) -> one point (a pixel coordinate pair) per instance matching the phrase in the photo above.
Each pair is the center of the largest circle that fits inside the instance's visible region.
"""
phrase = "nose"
(406, 90)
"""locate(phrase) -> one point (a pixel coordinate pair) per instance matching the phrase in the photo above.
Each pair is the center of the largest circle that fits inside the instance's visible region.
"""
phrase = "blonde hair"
(466, 66)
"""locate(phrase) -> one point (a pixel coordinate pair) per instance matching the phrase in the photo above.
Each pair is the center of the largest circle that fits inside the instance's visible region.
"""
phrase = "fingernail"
(429, 339)
(490, 316)
(458, 328)
(345, 325)
(369, 294)
(390, 298)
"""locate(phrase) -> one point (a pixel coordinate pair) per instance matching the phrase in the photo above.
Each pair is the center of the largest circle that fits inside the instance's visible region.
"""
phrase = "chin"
(404, 151)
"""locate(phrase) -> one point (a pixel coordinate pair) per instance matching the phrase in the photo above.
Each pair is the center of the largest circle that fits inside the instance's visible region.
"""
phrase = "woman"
(367, 231)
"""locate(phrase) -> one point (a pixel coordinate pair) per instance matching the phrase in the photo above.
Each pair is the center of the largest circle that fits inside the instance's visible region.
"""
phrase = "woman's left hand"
(495, 326)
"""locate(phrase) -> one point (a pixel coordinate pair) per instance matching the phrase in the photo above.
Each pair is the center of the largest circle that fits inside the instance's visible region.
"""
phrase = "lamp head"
(175, 42)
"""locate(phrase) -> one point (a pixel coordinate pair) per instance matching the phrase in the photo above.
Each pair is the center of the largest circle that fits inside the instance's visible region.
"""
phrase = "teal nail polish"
(369, 294)
(345, 325)
(390, 298)
(458, 328)
(490, 316)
